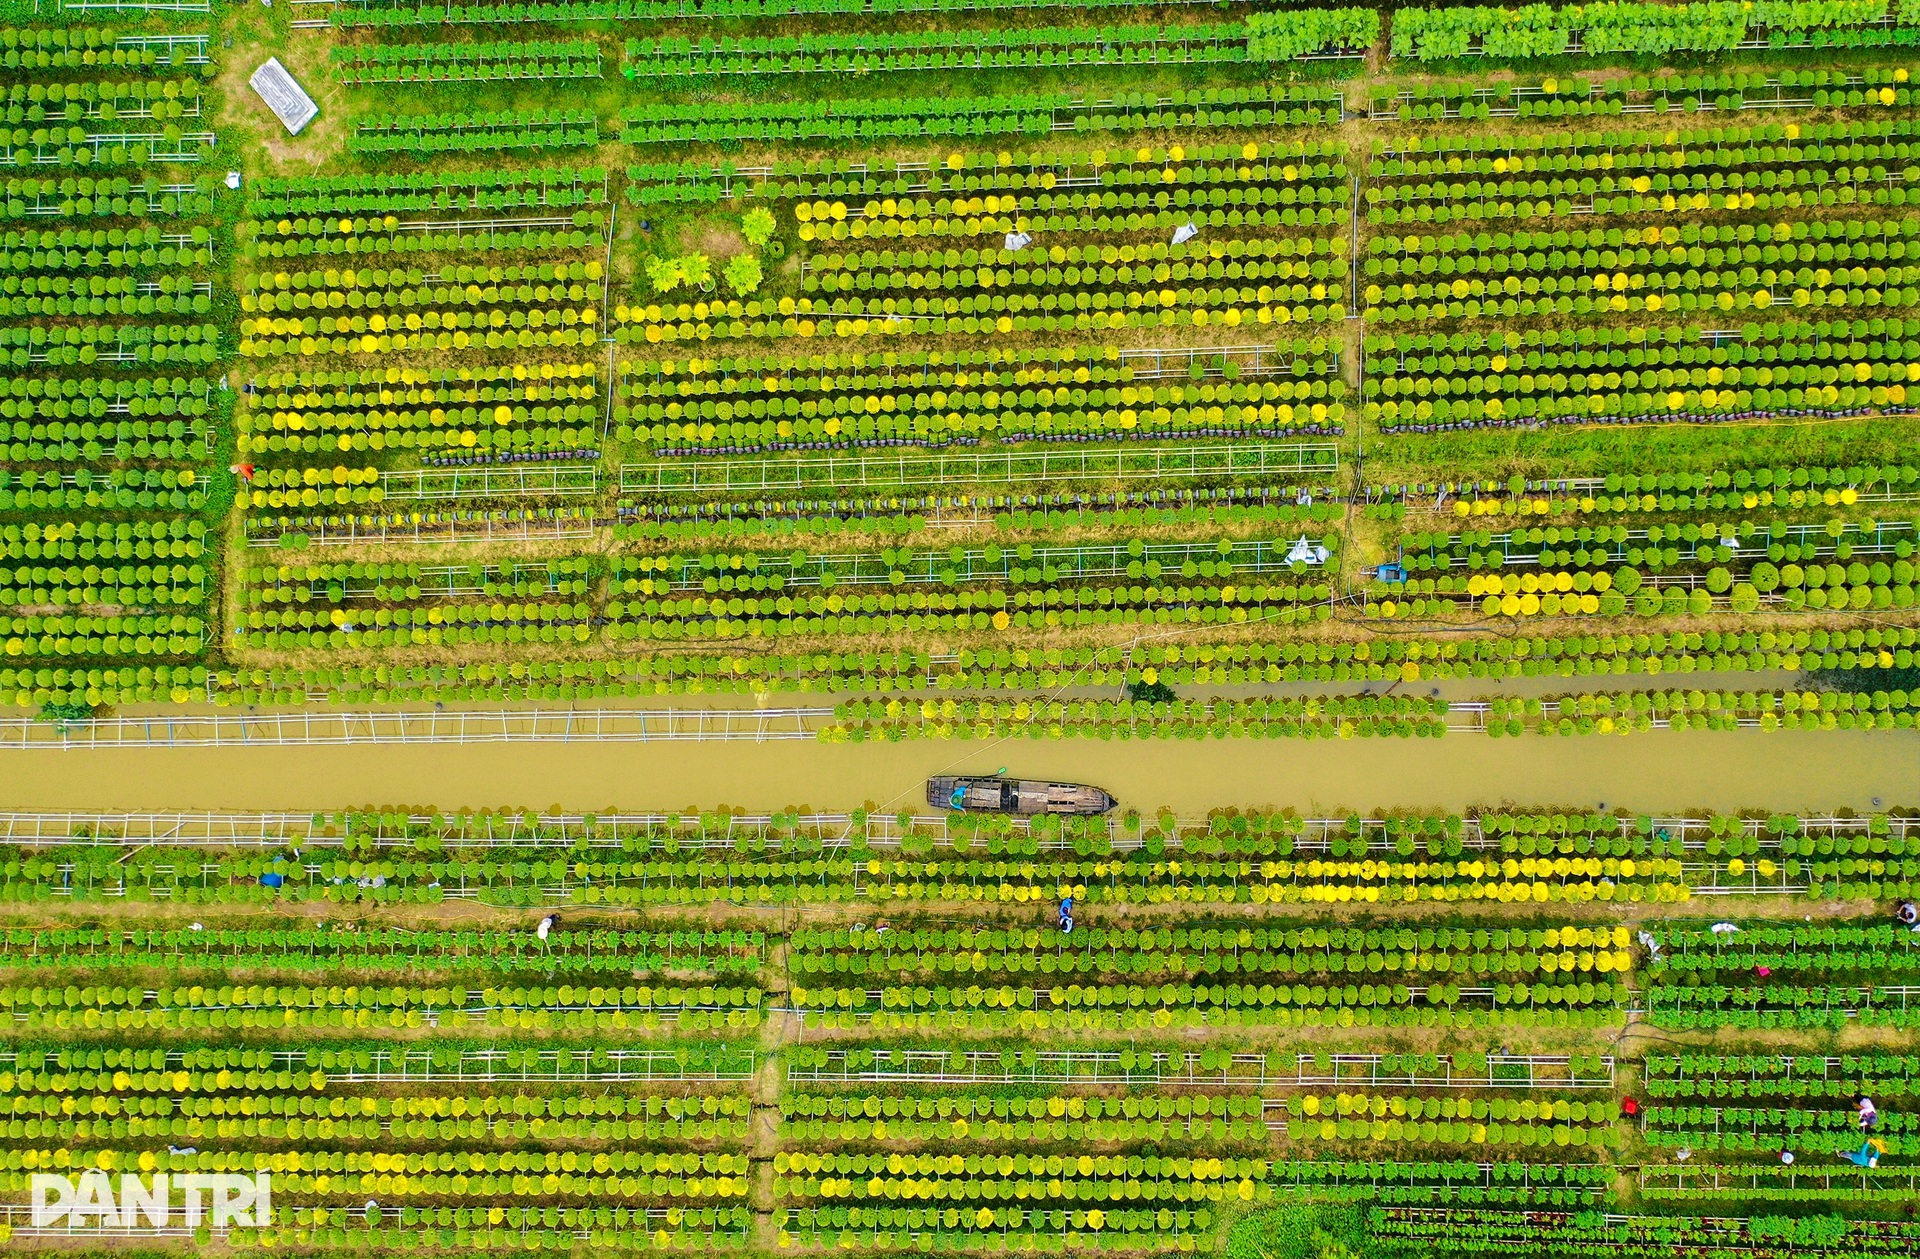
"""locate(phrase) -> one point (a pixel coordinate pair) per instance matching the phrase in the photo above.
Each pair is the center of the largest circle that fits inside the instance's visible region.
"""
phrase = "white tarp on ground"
(1307, 552)
(286, 98)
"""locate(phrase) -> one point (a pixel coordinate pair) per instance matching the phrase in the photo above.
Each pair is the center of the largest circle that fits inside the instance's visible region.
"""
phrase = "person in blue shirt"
(1066, 916)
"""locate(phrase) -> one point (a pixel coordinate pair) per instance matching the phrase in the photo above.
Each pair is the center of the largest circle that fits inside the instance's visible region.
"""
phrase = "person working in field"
(1868, 1155)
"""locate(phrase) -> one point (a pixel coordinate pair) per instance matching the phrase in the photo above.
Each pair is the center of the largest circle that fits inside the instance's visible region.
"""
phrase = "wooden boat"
(1009, 795)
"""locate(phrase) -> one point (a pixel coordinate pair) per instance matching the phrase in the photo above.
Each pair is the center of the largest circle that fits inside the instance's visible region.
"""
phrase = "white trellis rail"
(920, 468)
(518, 480)
(195, 45)
(1771, 1182)
(490, 1068)
(434, 527)
(692, 831)
(1244, 1070)
(1039, 563)
(136, 6)
(1176, 362)
(607, 725)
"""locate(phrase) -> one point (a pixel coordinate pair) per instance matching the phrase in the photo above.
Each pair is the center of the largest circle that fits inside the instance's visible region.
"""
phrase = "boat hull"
(1024, 797)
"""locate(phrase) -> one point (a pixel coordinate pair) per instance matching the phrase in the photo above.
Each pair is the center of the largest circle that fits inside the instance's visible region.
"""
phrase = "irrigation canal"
(1660, 771)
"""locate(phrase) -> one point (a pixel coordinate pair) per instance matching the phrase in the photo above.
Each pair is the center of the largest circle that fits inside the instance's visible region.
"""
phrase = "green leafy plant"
(743, 273)
(668, 274)
(757, 226)
(1141, 691)
(1285, 34)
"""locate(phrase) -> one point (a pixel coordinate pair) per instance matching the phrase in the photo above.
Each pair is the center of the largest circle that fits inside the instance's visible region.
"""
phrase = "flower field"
(422, 342)
(946, 384)
(591, 383)
(671, 1069)
(111, 280)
